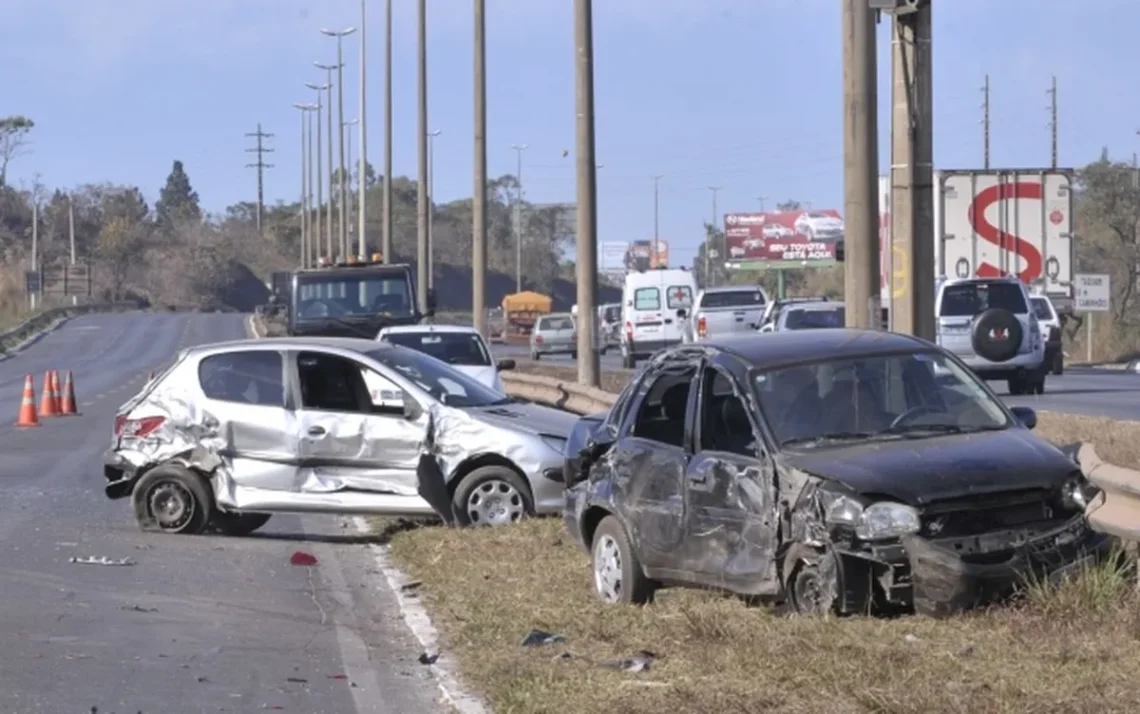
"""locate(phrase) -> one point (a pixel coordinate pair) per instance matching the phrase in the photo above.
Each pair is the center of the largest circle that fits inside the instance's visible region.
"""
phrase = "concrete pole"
(714, 190)
(431, 207)
(519, 149)
(587, 265)
(386, 235)
(422, 150)
(912, 159)
(656, 219)
(860, 165)
(362, 136)
(329, 206)
(320, 89)
(310, 209)
(34, 298)
(303, 108)
(479, 197)
(342, 192)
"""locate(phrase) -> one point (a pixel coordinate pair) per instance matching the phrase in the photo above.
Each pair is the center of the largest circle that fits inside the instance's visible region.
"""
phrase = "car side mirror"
(506, 365)
(1026, 416)
(412, 409)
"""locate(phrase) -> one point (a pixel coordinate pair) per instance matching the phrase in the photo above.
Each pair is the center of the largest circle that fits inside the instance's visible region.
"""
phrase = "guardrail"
(1116, 509)
(561, 395)
(41, 322)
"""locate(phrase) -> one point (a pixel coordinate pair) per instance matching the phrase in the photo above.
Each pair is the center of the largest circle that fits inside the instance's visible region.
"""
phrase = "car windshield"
(357, 293)
(456, 348)
(799, 319)
(556, 323)
(970, 299)
(1042, 308)
(612, 313)
(447, 385)
(733, 298)
(894, 396)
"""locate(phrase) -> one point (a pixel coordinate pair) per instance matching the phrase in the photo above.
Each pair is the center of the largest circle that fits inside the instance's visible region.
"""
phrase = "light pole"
(320, 89)
(348, 196)
(656, 218)
(714, 190)
(341, 184)
(479, 195)
(423, 275)
(519, 148)
(386, 233)
(431, 206)
(362, 206)
(329, 68)
(304, 109)
(762, 199)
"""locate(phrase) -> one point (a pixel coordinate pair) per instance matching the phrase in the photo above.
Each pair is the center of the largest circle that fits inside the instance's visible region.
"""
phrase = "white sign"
(1093, 291)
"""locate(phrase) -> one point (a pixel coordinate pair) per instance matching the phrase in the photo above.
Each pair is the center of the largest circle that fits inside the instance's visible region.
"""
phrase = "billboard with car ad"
(755, 241)
(647, 254)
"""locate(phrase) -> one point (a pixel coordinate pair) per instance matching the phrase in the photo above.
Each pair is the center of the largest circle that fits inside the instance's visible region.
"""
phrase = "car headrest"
(675, 400)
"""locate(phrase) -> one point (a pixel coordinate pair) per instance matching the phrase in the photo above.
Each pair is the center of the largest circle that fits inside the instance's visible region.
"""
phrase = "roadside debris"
(101, 560)
(429, 657)
(640, 662)
(303, 559)
(540, 638)
(138, 608)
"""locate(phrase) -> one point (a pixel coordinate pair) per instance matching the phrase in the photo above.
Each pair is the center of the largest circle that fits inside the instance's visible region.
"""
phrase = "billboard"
(613, 257)
(772, 238)
(647, 254)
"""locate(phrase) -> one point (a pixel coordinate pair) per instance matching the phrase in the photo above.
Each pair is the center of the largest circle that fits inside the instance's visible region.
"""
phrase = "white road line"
(420, 624)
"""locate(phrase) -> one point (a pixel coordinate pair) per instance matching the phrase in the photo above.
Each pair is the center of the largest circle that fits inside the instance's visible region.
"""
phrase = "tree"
(178, 201)
(119, 249)
(714, 247)
(1108, 200)
(14, 132)
(789, 205)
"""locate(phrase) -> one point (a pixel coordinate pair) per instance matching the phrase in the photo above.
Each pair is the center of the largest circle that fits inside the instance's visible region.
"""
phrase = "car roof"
(334, 344)
(556, 314)
(734, 289)
(814, 306)
(413, 329)
(947, 282)
(771, 349)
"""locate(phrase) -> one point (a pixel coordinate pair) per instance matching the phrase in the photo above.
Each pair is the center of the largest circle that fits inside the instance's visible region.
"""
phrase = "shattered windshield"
(447, 385)
(357, 293)
(913, 394)
(459, 348)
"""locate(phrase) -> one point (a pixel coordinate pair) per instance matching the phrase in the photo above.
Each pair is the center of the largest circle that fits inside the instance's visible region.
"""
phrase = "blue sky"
(745, 94)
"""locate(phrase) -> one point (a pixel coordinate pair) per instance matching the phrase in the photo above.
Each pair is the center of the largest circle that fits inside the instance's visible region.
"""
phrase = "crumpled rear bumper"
(121, 473)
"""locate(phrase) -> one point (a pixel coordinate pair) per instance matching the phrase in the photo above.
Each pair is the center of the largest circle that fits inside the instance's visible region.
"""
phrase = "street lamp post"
(361, 208)
(320, 89)
(341, 185)
(519, 149)
(431, 206)
(348, 196)
(304, 109)
(329, 68)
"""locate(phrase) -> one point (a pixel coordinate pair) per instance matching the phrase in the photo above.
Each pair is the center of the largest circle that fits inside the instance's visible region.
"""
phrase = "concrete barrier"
(552, 392)
(1116, 509)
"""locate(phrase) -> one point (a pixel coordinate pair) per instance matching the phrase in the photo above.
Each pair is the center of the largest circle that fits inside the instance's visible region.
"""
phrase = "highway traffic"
(189, 624)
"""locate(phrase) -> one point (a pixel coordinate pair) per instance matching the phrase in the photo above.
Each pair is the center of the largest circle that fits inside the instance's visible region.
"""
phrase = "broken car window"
(247, 377)
(915, 395)
(332, 383)
(443, 383)
(661, 415)
(724, 417)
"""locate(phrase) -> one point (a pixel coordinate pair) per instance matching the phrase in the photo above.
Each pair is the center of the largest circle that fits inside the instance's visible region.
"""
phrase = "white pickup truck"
(729, 310)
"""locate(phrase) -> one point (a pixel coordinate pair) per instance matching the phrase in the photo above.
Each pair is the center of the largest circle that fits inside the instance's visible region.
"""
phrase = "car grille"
(970, 516)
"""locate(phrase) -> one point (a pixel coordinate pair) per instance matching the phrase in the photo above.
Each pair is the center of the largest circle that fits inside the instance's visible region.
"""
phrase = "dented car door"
(357, 429)
(731, 493)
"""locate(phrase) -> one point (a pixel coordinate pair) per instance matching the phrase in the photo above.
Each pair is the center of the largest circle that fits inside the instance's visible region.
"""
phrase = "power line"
(261, 150)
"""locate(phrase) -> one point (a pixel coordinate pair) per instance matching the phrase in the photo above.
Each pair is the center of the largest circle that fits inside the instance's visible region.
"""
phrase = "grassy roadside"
(1069, 648)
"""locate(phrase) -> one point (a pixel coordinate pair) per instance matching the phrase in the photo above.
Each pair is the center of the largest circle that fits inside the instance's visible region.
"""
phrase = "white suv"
(990, 325)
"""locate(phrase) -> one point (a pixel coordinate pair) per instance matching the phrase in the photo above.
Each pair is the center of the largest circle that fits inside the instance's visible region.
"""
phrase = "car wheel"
(173, 499)
(492, 496)
(1037, 386)
(239, 524)
(618, 577)
(1016, 387)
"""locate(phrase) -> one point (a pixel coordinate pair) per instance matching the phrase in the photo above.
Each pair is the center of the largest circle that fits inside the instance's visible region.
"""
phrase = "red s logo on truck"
(1006, 241)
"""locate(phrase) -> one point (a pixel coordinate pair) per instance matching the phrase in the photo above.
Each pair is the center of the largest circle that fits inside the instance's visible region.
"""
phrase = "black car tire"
(483, 476)
(984, 335)
(189, 492)
(239, 524)
(826, 582)
(636, 589)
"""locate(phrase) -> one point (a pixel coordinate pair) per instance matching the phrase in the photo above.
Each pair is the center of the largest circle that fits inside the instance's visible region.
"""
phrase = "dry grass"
(1068, 648)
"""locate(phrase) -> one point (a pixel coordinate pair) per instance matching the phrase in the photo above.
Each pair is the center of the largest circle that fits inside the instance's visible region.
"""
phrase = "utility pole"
(71, 237)
(431, 207)
(329, 68)
(348, 195)
(305, 235)
(386, 235)
(708, 242)
(860, 165)
(361, 184)
(1052, 92)
(986, 124)
(320, 178)
(260, 165)
(311, 210)
(422, 151)
(36, 249)
(912, 159)
(656, 218)
(586, 169)
(519, 149)
(479, 197)
(762, 200)
(341, 185)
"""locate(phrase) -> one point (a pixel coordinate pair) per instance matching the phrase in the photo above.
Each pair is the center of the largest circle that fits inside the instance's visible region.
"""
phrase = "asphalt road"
(198, 624)
(1080, 390)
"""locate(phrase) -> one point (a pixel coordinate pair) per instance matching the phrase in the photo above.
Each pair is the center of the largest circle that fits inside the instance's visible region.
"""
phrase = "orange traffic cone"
(55, 391)
(67, 404)
(27, 415)
(48, 406)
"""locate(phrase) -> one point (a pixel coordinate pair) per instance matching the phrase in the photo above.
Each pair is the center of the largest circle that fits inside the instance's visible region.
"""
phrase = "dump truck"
(522, 310)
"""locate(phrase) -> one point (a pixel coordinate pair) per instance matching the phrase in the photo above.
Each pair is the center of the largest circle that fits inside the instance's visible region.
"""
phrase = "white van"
(656, 305)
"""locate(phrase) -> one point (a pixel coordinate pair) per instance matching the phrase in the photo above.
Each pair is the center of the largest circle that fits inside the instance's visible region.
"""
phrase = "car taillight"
(137, 428)
(702, 326)
(538, 339)
(629, 331)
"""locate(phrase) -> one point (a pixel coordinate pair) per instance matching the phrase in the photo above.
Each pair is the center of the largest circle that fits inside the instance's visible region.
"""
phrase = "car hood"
(526, 418)
(920, 472)
(487, 375)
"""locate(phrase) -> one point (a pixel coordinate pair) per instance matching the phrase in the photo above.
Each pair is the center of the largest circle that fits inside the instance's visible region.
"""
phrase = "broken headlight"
(1077, 492)
(875, 522)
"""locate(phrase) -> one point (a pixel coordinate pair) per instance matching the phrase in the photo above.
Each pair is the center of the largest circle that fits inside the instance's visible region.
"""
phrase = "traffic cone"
(27, 415)
(48, 407)
(67, 404)
(55, 392)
